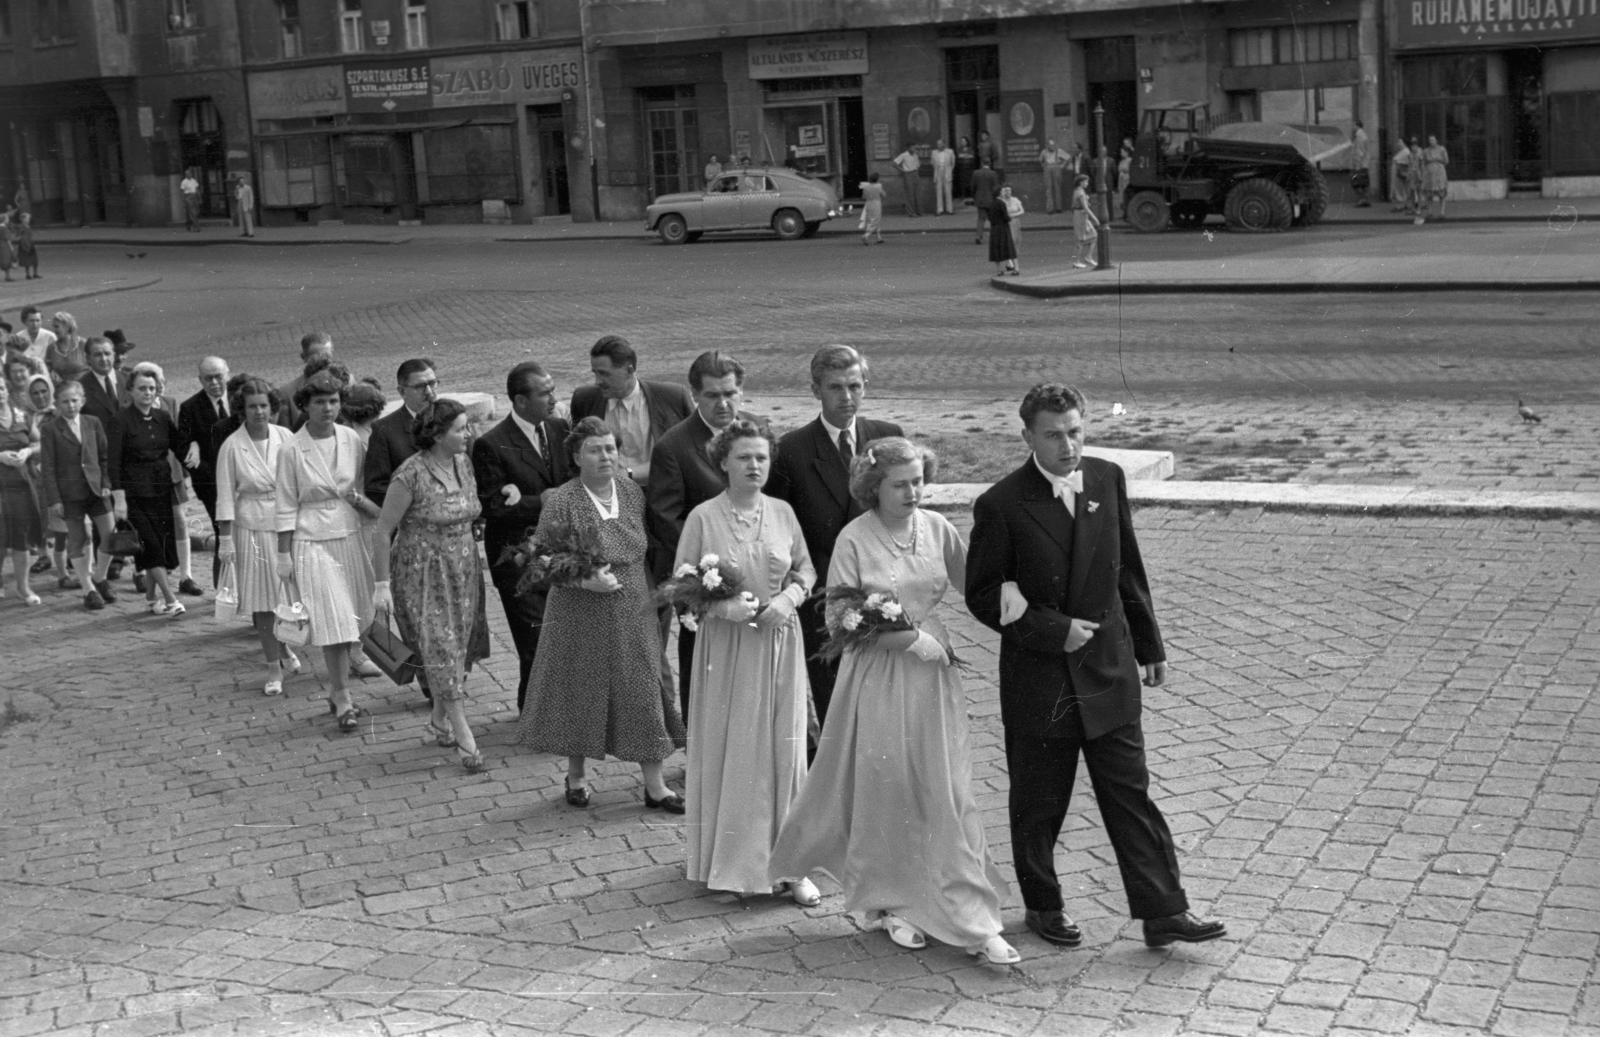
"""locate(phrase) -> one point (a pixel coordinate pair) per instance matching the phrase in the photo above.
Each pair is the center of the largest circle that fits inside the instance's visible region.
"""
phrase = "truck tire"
(1258, 206)
(1312, 194)
(1148, 212)
(673, 230)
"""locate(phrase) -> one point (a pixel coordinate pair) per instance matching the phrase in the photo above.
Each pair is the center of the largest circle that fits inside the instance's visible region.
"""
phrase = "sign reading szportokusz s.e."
(387, 86)
(812, 54)
(1493, 23)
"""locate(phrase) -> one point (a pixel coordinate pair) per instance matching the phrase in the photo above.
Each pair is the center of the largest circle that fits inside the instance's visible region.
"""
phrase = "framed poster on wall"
(921, 126)
(1022, 118)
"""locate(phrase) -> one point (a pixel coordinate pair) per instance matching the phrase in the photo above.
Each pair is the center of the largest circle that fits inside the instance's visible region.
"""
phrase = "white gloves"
(513, 495)
(737, 610)
(927, 648)
(225, 548)
(382, 597)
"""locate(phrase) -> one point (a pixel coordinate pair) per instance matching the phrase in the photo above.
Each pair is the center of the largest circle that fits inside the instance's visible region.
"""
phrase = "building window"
(517, 20)
(182, 14)
(296, 172)
(289, 28)
(350, 38)
(416, 25)
(1293, 44)
(5, 21)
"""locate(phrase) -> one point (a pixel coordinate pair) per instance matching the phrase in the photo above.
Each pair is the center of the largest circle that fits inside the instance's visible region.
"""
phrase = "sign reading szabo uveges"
(1493, 23)
(812, 54)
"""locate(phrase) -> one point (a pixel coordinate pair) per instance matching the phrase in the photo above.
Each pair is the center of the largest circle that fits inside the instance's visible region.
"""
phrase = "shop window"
(1472, 129)
(972, 64)
(350, 28)
(1574, 146)
(371, 172)
(470, 164)
(1293, 44)
(518, 20)
(296, 173)
(182, 15)
(52, 21)
(1450, 75)
(289, 28)
(416, 25)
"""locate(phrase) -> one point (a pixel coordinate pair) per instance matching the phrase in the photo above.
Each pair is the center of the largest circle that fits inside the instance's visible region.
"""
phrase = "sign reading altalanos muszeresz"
(1493, 23)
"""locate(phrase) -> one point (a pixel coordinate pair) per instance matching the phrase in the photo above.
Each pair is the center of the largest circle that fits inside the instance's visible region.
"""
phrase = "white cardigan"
(311, 494)
(247, 482)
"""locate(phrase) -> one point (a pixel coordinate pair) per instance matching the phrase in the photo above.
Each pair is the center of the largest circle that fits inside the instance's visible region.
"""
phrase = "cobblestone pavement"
(1380, 757)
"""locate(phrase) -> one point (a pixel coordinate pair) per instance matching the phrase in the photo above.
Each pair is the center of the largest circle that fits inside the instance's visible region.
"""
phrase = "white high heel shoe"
(805, 893)
(904, 933)
(996, 951)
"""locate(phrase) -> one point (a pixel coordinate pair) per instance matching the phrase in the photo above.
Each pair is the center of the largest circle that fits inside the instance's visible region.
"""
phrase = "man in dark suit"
(682, 478)
(812, 473)
(197, 416)
(517, 464)
(102, 396)
(1058, 532)
(313, 344)
(391, 443)
(639, 412)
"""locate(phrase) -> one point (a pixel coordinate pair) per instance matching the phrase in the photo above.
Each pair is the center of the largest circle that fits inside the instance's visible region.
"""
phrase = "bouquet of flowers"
(694, 588)
(557, 557)
(855, 617)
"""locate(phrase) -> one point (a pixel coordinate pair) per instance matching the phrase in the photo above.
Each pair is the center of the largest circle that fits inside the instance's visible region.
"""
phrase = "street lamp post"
(1103, 159)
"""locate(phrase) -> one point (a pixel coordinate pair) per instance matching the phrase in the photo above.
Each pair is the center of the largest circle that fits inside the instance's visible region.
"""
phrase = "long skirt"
(334, 578)
(255, 553)
(19, 513)
(151, 518)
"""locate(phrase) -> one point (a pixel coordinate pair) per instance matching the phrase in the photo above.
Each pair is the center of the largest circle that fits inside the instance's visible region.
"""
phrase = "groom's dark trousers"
(1055, 705)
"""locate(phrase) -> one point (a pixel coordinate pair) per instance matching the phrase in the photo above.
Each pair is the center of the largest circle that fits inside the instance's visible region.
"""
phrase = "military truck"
(1253, 174)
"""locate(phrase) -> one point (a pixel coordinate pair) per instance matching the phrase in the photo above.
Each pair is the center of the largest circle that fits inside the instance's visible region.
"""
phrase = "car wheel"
(673, 230)
(1148, 212)
(789, 224)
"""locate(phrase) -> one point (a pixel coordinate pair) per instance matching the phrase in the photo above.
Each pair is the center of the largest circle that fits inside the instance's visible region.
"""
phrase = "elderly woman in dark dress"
(437, 594)
(139, 463)
(595, 689)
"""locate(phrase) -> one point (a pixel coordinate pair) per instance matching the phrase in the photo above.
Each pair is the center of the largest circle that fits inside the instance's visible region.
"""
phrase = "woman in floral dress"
(437, 580)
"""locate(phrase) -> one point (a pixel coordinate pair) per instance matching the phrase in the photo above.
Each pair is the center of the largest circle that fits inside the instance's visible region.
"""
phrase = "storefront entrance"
(972, 77)
(673, 124)
(380, 172)
(825, 138)
(548, 128)
(1525, 87)
(201, 146)
(1112, 77)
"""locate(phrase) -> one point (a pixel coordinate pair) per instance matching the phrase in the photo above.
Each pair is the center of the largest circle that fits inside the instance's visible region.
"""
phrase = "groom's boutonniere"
(1094, 506)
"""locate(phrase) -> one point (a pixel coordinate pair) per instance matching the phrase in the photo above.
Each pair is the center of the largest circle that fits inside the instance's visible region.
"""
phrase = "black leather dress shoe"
(672, 803)
(1055, 927)
(1158, 932)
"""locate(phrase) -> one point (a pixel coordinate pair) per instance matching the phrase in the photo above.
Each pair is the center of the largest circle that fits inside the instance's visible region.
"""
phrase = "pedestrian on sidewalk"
(1053, 161)
(1002, 246)
(244, 198)
(189, 187)
(988, 152)
(871, 221)
(27, 251)
(1360, 179)
(1400, 177)
(985, 189)
(1435, 181)
(1124, 175)
(712, 171)
(1015, 211)
(908, 163)
(1085, 224)
(966, 165)
(1416, 180)
(944, 166)
(8, 250)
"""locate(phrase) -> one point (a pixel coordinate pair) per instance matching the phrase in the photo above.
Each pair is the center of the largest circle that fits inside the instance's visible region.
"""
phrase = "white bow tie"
(1073, 482)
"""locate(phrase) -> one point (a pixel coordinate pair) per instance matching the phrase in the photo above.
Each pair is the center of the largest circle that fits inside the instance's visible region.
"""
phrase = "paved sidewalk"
(1379, 757)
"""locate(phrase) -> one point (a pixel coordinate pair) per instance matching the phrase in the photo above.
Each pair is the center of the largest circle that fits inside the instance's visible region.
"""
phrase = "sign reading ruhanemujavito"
(1493, 23)
(813, 54)
(387, 86)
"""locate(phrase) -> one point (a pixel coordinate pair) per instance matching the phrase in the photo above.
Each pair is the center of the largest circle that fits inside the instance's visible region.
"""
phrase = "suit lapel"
(829, 465)
(1040, 503)
(1086, 532)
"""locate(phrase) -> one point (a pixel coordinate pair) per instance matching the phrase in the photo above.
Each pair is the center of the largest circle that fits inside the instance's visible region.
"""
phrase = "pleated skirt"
(255, 567)
(334, 578)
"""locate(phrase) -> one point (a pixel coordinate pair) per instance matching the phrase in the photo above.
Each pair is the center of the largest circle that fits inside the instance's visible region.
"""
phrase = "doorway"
(972, 79)
(853, 137)
(673, 124)
(1112, 76)
(201, 146)
(1525, 85)
(549, 131)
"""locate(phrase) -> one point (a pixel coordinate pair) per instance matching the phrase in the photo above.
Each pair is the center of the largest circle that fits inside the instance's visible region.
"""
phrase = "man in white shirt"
(34, 339)
(1360, 154)
(908, 163)
(944, 169)
(1053, 160)
(637, 411)
(190, 188)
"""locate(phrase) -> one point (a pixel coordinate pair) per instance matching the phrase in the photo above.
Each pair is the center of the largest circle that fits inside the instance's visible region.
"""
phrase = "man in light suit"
(517, 464)
(391, 441)
(812, 473)
(197, 417)
(1060, 530)
(682, 478)
(639, 412)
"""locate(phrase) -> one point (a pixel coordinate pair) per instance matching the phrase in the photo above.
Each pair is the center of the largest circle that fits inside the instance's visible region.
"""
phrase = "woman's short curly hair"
(870, 466)
(364, 401)
(434, 420)
(584, 431)
(241, 389)
(320, 384)
(722, 443)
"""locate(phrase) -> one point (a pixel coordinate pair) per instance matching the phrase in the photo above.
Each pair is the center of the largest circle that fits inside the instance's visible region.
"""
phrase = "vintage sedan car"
(791, 203)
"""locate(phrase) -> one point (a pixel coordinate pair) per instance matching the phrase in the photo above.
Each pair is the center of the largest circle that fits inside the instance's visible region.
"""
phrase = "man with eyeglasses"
(197, 418)
(391, 441)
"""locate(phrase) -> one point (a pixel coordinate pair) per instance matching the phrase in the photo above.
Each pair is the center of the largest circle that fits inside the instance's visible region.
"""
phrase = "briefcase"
(124, 541)
(398, 660)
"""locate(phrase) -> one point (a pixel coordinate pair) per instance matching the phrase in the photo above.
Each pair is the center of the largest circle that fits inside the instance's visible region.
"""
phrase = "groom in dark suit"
(812, 473)
(516, 464)
(1059, 528)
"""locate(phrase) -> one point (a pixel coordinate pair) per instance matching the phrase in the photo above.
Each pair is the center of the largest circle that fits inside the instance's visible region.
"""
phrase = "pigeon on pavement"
(1528, 416)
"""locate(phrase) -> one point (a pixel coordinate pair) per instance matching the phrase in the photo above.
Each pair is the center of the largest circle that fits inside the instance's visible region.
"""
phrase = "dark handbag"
(389, 653)
(124, 540)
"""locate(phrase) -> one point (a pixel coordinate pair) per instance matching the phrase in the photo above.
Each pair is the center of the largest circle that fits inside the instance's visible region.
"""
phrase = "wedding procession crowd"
(815, 691)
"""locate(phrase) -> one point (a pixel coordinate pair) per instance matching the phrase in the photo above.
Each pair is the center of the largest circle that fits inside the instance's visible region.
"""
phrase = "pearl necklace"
(907, 548)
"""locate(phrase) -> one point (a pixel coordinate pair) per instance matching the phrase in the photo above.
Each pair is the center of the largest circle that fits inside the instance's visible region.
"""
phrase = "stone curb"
(70, 294)
(1324, 499)
(1114, 285)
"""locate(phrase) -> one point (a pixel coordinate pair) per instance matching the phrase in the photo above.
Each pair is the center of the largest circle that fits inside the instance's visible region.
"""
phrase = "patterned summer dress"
(437, 573)
(595, 690)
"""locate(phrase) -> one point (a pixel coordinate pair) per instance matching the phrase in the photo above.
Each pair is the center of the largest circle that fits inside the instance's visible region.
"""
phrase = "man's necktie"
(846, 451)
(539, 441)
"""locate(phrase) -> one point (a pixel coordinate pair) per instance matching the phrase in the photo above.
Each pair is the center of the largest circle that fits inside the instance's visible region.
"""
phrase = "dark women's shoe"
(104, 587)
(672, 803)
(577, 797)
(1185, 928)
(1055, 926)
(189, 587)
(138, 582)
